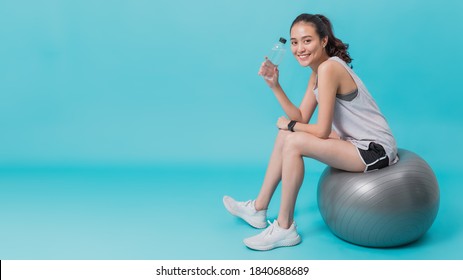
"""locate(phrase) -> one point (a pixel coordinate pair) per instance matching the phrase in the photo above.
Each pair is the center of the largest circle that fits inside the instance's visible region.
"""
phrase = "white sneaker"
(273, 237)
(246, 211)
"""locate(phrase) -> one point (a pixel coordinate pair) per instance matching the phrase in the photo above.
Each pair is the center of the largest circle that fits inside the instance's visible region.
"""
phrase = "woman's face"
(306, 45)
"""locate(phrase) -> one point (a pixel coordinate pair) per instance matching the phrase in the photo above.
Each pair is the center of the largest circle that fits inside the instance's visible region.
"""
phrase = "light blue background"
(124, 122)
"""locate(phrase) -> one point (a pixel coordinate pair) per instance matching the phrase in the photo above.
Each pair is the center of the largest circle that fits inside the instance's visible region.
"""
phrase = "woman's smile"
(304, 56)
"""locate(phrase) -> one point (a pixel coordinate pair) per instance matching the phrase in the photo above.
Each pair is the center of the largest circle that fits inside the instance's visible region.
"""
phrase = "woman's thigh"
(336, 153)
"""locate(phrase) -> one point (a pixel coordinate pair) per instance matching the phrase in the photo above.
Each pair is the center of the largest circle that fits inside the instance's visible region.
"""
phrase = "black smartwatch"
(291, 125)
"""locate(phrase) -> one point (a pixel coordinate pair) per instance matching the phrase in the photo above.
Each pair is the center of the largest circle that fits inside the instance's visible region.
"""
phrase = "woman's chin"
(303, 63)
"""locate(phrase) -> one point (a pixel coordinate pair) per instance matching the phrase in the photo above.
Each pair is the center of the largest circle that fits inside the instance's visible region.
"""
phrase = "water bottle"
(277, 53)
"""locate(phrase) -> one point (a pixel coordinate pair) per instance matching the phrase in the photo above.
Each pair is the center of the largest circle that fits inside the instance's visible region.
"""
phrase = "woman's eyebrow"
(304, 37)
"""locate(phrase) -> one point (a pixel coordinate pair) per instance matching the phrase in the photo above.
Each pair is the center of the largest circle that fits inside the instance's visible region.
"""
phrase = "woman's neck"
(316, 64)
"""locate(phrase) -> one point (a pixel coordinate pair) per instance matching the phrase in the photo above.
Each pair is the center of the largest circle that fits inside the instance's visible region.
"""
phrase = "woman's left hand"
(282, 123)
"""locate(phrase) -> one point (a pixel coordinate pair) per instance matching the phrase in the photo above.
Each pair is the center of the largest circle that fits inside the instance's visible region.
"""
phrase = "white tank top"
(357, 118)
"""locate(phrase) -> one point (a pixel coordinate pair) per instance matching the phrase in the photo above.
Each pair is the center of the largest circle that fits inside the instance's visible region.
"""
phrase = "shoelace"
(247, 203)
(270, 228)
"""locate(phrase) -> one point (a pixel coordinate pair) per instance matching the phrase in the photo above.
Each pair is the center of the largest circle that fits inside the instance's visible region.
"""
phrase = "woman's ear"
(325, 41)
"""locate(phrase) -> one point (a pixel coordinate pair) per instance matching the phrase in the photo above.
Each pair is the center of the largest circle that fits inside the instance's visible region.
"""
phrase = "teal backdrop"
(169, 90)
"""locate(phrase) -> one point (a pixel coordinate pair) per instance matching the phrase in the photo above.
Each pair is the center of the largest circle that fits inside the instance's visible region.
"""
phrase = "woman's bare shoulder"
(332, 69)
(330, 66)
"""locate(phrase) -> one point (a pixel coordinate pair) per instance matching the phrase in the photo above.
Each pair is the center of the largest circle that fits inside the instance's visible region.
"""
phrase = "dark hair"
(323, 27)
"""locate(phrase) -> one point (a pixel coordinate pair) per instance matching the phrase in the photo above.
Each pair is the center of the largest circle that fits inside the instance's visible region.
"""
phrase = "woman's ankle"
(285, 224)
(259, 206)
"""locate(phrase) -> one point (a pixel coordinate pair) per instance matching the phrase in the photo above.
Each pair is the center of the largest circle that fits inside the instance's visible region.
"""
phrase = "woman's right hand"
(269, 72)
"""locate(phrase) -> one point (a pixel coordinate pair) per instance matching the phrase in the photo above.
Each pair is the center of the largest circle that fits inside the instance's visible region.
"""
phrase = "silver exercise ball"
(389, 207)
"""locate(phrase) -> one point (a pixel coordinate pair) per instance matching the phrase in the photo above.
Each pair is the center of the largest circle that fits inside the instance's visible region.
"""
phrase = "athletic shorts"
(375, 157)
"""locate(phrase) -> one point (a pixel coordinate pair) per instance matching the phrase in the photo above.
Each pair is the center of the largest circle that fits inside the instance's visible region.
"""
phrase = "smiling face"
(307, 46)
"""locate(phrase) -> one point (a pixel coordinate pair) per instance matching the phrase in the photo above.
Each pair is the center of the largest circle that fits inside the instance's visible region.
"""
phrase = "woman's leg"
(334, 152)
(273, 174)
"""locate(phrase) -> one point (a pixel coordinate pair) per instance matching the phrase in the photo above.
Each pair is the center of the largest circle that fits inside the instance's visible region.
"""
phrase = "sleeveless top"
(357, 118)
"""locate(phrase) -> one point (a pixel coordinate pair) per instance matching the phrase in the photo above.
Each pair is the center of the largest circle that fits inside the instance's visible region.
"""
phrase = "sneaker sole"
(283, 243)
(251, 223)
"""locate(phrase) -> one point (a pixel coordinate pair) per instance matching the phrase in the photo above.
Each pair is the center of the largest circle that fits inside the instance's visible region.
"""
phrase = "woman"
(350, 133)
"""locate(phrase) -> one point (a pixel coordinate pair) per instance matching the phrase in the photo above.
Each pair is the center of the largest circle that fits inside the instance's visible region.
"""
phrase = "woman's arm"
(267, 69)
(328, 82)
(288, 107)
(307, 107)
(309, 102)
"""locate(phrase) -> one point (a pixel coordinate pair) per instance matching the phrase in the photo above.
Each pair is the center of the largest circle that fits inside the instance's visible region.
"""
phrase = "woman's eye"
(307, 41)
(293, 43)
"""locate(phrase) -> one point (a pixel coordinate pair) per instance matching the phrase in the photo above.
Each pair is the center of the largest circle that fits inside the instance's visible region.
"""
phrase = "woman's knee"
(293, 145)
(281, 138)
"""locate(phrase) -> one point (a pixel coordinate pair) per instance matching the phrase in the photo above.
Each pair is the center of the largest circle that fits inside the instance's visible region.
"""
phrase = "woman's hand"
(282, 123)
(269, 72)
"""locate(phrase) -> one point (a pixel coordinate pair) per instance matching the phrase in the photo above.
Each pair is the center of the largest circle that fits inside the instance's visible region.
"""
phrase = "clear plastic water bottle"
(277, 53)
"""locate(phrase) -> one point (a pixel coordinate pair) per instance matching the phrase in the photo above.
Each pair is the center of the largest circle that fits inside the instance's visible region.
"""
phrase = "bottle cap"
(282, 40)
